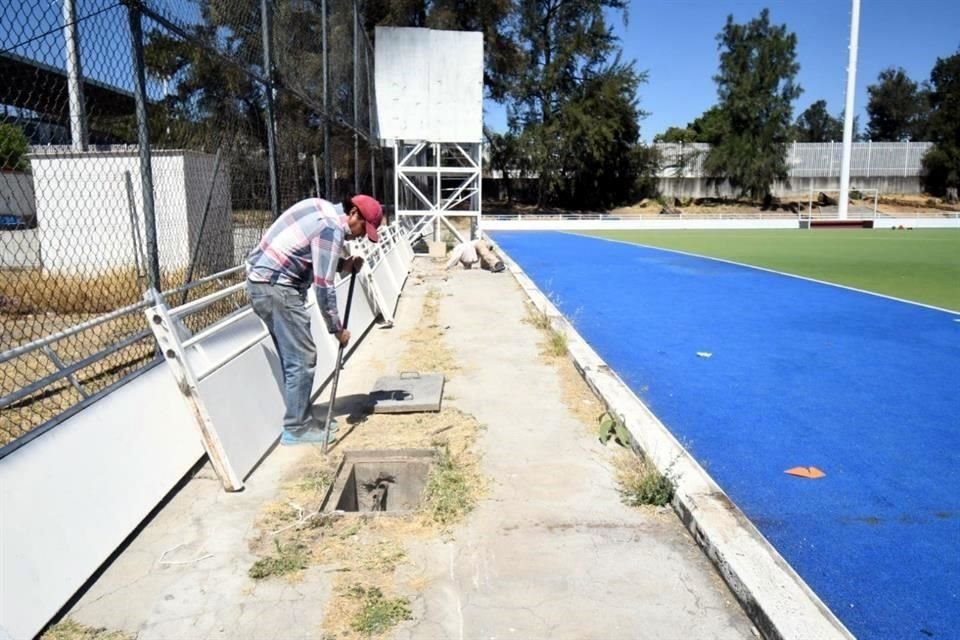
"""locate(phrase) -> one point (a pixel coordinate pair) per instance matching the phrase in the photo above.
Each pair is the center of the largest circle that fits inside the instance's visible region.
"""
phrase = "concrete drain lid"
(410, 392)
(379, 481)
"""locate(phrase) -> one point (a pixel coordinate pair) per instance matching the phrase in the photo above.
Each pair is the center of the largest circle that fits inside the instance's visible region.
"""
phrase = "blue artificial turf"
(801, 373)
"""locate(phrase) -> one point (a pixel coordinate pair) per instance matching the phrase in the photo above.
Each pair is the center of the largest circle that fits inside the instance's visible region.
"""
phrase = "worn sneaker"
(307, 436)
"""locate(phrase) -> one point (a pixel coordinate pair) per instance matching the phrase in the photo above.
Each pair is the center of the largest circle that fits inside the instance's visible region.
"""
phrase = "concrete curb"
(773, 595)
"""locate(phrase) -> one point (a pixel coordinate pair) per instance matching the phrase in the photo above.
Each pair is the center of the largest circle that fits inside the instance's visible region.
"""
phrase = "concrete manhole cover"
(409, 392)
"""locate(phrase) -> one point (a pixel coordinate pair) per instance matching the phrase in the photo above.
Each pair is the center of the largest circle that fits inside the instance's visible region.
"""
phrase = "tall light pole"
(848, 115)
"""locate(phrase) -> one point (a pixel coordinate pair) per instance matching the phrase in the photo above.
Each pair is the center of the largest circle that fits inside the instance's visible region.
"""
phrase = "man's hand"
(343, 337)
(353, 264)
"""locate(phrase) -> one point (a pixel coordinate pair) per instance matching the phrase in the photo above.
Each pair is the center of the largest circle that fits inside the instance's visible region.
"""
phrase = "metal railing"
(148, 145)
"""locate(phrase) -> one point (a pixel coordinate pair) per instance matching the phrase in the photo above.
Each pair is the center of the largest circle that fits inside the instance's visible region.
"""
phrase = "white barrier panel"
(72, 495)
(231, 376)
(918, 223)
(384, 281)
(397, 267)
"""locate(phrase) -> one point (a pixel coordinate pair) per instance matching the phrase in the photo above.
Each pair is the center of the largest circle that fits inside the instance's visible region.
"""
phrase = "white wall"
(919, 223)
(72, 495)
(83, 211)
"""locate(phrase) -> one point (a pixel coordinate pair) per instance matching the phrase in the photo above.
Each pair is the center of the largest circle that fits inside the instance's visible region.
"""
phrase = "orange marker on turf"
(811, 473)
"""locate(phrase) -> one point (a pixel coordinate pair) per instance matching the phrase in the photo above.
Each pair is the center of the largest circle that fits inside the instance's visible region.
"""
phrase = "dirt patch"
(576, 394)
(426, 352)
(363, 552)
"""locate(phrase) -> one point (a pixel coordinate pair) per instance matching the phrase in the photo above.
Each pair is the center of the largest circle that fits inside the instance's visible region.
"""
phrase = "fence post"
(266, 19)
(906, 159)
(327, 155)
(370, 125)
(143, 143)
(356, 102)
(78, 117)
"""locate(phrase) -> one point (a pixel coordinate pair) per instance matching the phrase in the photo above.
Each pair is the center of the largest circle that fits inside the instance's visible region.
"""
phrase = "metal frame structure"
(436, 181)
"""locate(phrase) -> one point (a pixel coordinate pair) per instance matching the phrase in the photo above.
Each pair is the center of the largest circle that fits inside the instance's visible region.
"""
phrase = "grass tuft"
(640, 482)
(452, 489)
(556, 341)
(378, 613)
(289, 558)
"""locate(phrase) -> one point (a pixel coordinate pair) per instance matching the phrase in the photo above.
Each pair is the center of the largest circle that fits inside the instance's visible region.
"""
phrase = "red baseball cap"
(372, 214)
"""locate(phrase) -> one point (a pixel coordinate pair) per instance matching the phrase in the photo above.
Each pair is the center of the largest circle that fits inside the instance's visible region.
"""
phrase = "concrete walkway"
(549, 553)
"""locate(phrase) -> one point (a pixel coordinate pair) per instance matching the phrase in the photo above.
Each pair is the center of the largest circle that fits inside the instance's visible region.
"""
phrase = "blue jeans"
(282, 310)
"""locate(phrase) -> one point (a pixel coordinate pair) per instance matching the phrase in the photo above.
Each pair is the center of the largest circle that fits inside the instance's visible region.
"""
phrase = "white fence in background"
(809, 159)
(72, 495)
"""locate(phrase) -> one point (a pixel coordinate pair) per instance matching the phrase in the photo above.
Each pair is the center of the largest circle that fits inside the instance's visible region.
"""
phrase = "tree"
(893, 107)
(942, 163)
(816, 124)
(599, 128)
(756, 90)
(676, 134)
(571, 100)
(710, 127)
(13, 148)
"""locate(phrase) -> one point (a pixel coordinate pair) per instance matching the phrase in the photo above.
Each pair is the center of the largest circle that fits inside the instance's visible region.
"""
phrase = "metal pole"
(371, 99)
(356, 102)
(339, 365)
(78, 117)
(848, 112)
(267, 28)
(479, 194)
(396, 180)
(143, 142)
(327, 153)
(203, 224)
(316, 176)
(439, 195)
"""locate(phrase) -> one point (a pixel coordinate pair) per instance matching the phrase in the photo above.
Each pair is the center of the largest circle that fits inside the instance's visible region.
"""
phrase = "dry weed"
(68, 629)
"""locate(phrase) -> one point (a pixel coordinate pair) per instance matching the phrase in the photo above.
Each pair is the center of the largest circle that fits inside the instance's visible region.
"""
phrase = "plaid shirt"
(304, 244)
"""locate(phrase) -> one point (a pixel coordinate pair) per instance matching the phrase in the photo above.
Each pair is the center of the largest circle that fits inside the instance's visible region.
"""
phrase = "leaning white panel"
(245, 405)
(397, 266)
(383, 280)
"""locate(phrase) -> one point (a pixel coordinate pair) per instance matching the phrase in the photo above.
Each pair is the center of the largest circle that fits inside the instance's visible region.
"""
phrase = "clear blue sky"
(675, 41)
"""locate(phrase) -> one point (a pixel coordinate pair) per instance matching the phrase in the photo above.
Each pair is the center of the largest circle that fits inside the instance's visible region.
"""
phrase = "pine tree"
(756, 88)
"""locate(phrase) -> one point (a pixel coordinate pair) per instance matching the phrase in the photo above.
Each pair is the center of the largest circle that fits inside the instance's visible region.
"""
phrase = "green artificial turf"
(922, 265)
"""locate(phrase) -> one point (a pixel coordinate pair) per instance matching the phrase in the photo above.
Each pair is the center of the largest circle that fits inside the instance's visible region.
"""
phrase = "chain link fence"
(148, 145)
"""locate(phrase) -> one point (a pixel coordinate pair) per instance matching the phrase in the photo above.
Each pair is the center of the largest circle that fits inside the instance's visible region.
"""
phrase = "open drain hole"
(379, 481)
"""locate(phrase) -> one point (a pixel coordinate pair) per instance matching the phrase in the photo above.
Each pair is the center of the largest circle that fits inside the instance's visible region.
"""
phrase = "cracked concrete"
(550, 552)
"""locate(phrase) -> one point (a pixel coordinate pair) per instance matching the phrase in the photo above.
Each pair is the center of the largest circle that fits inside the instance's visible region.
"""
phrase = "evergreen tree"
(756, 88)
